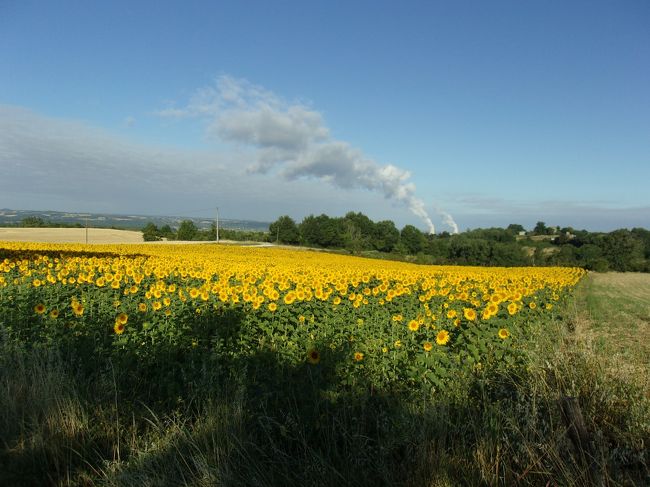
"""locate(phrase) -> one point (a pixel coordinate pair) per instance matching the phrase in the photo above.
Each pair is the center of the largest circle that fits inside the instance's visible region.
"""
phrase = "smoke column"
(447, 218)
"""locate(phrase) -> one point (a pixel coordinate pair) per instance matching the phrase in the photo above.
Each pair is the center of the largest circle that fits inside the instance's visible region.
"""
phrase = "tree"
(540, 229)
(284, 230)
(359, 231)
(469, 251)
(507, 255)
(33, 221)
(515, 228)
(187, 230)
(623, 250)
(322, 231)
(413, 239)
(167, 232)
(591, 257)
(386, 236)
(150, 233)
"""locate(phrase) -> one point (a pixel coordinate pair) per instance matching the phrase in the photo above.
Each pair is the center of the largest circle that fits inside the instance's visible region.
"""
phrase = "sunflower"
(503, 333)
(313, 356)
(442, 337)
(40, 308)
(413, 325)
(118, 328)
(358, 356)
(512, 308)
(427, 346)
(77, 308)
(532, 305)
(469, 313)
(272, 307)
(122, 318)
(142, 307)
(54, 314)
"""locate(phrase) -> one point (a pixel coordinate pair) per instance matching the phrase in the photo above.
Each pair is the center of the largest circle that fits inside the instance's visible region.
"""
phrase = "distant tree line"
(621, 250)
(38, 222)
(188, 230)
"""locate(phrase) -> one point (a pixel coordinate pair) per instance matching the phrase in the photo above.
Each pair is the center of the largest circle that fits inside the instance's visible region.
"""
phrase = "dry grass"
(70, 235)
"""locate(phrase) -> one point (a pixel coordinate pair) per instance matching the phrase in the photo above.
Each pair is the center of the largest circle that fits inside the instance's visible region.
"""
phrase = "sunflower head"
(442, 337)
(313, 356)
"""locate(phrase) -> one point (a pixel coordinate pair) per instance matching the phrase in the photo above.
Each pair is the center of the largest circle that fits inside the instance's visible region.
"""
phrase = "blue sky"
(445, 115)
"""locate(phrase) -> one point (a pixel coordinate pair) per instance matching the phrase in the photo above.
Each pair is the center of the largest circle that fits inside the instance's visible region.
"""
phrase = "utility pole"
(86, 230)
(217, 224)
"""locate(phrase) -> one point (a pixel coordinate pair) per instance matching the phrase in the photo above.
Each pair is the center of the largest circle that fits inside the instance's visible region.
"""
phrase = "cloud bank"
(49, 163)
(292, 140)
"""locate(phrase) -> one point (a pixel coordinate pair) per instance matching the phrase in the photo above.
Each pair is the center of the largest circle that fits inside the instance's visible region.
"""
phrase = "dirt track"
(70, 235)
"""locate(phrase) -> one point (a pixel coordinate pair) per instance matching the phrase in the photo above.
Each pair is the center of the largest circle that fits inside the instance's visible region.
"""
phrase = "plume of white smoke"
(293, 139)
(447, 218)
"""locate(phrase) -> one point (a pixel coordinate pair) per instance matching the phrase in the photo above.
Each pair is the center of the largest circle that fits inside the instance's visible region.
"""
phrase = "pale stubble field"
(71, 235)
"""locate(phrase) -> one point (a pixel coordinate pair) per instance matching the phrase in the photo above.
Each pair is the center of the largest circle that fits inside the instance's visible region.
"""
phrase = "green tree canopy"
(284, 230)
(386, 236)
(413, 239)
(187, 230)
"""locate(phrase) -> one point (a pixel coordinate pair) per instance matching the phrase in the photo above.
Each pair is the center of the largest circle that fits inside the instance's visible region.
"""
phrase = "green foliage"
(412, 239)
(386, 236)
(151, 233)
(515, 228)
(623, 250)
(322, 231)
(187, 230)
(33, 221)
(284, 230)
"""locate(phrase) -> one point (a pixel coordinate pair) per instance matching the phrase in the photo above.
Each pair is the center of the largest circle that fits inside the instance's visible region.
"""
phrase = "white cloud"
(292, 140)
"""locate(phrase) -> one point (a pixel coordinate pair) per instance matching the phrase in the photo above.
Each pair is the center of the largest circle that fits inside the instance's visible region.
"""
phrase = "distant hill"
(105, 220)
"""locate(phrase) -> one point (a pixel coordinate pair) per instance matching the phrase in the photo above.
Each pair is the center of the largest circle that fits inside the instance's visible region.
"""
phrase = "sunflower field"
(166, 310)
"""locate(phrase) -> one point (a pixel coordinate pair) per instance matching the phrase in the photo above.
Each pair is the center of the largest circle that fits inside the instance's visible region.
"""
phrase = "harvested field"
(70, 235)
